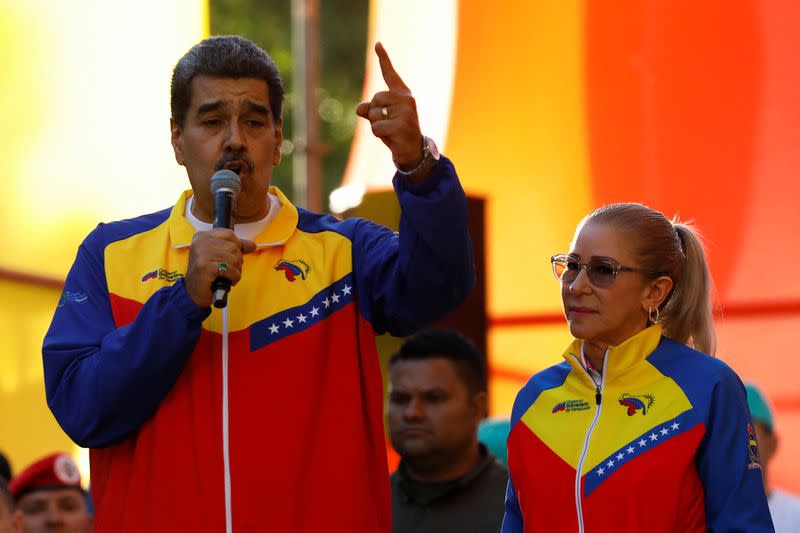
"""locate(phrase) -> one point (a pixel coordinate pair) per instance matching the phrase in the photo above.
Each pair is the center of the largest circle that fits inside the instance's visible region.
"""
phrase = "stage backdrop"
(84, 98)
(550, 109)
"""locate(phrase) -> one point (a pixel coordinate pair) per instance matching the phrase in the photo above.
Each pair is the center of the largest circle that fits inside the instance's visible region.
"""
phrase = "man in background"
(784, 507)
(7, 522)
(446, 480)
(48, 497)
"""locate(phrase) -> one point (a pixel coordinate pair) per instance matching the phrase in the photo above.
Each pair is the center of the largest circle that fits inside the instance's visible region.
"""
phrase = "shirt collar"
(425, 493)
(621, 358)
(276, 233)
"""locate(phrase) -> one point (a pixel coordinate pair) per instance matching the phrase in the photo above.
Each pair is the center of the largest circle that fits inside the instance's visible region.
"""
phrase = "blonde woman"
(640, 428)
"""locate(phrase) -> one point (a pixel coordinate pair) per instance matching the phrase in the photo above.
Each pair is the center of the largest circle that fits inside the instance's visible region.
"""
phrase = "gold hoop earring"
(653, 319)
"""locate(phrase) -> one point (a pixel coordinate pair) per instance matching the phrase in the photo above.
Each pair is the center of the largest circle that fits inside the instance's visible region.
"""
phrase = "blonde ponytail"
(687, 314)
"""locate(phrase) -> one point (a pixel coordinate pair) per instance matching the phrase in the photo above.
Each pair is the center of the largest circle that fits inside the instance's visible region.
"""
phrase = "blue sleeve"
(409, 280)
(512, 519)
(103, 382)
(728, 463)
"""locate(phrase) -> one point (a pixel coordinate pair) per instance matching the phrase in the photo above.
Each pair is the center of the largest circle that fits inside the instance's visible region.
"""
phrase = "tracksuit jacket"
(663, 443)
(267, 415)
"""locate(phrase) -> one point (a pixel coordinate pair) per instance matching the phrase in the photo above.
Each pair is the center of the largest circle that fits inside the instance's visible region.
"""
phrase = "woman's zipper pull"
(597, 396)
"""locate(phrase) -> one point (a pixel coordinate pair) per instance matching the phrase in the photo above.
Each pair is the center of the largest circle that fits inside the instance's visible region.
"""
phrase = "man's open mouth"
(237, 166)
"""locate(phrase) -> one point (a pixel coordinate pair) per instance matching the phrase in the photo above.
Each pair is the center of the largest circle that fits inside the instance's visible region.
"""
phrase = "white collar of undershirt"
(593, 372)
(248, 230)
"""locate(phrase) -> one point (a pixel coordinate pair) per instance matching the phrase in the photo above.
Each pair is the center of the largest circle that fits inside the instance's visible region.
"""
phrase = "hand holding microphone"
(216, 256)
(225, 186)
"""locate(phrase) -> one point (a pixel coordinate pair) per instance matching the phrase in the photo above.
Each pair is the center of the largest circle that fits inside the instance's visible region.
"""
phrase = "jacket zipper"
(599, 401)
(226, 458)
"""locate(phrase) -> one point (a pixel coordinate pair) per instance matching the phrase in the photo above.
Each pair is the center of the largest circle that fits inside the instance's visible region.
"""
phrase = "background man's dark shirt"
(472, 504)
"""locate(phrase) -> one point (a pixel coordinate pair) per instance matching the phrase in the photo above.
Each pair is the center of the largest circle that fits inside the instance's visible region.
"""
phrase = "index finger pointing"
(390, 75)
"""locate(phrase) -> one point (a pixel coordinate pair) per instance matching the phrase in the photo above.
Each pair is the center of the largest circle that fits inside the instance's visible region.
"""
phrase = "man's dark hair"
(224, 56)
(448, 344)
(5, 494)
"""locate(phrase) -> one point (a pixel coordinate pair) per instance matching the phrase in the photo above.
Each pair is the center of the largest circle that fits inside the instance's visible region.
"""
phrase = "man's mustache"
(234, 156)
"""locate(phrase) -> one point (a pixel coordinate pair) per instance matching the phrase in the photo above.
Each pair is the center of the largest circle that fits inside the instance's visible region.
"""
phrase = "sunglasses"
(602, 272)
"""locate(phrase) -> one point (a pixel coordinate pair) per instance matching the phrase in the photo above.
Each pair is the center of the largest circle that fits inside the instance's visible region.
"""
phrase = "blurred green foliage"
(343, 44)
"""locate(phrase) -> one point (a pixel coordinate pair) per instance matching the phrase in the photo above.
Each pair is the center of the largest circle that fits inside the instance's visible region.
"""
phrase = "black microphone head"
(226, 179)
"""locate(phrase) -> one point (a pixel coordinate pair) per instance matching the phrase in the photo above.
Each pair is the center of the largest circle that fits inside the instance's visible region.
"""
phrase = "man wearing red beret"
(49, 497)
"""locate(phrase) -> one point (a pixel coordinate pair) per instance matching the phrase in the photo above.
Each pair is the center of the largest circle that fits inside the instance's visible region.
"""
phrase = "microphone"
(225, 186)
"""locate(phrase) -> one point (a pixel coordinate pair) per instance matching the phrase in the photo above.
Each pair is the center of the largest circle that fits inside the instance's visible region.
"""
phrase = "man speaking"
(264, 414)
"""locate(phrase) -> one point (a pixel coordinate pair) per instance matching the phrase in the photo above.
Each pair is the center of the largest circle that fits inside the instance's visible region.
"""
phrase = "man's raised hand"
(393, 116)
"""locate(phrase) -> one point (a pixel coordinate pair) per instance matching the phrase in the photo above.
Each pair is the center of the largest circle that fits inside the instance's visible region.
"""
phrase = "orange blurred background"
(548, 109)
(557, 108)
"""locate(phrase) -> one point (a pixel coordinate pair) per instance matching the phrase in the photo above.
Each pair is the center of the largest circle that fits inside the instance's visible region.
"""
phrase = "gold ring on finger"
(384, 112)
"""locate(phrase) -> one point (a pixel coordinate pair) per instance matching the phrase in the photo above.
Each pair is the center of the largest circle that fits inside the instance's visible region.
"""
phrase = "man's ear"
(656, 292)
(481, 403)
(276, 156)
(176, 131)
